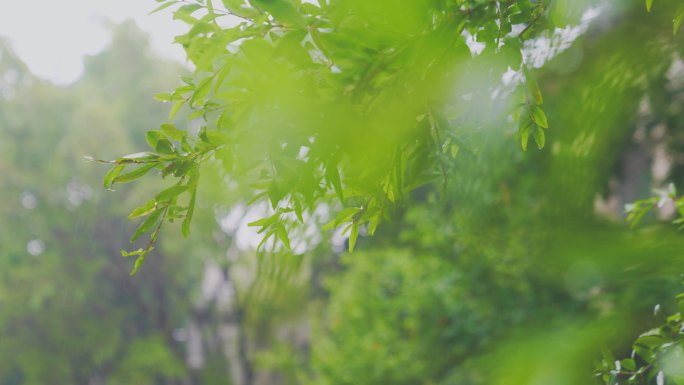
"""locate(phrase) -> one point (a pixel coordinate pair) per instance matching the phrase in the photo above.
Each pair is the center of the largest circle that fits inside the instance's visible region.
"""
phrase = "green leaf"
(533, 86)
(628, 364)
(170, 193)
(282, 235)
(343, 216)
(539, 137)
(185, 10)
(525, 135)
(265, 222)
(164, 146)
(125, 253)
(353, 236)
(143, 210)
(148, 223)
(176, 107)
(202, 90)
(185, 226)
(373, 224)
(137, 157)
(539, 117)
(163, 6)
(152, 137)
(163, 97)
(139, 261)
(332, 175)
(282, 10)
(135, 174)
(678, 19)
(172, 132)
(454, 150)
(346, 215)
(649, 4)
(112, 174)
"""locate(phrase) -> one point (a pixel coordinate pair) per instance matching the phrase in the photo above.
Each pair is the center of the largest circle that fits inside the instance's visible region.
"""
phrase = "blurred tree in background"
(69, 313)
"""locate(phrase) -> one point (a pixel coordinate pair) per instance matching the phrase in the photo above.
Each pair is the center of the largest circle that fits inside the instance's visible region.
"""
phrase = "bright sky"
(53, 36)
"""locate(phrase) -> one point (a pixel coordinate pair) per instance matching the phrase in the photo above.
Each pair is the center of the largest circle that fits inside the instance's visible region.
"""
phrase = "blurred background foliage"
(517, 268)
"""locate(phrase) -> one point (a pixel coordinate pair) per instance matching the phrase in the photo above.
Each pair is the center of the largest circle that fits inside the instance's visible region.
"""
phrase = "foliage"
(346, 101)
(656, 356)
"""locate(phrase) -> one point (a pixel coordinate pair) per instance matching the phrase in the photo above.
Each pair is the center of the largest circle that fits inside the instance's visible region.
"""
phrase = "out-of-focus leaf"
(539, 116)
(353, 236)
(163, 6)
(172, 132)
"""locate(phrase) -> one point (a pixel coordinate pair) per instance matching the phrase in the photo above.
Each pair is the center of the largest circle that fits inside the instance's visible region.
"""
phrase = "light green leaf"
(264, 222)
(678, 19)
(163, 97)
(649, 4)
(332, 175)
(176, 107)
(152, 137)
(343, 216)
(353, 236)
(539, 117)
(143, 210)
(125, 253)
(282, 235)
(140, 260)
(454, 150)
(539, 137)
(163, 6)
(172, 132)
(112, 174)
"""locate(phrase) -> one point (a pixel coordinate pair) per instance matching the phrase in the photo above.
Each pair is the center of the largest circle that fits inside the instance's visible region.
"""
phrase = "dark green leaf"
(148, 223)
(525, 135)
(135, 174)
(164, 146)
(185, 226)
(170, 193)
